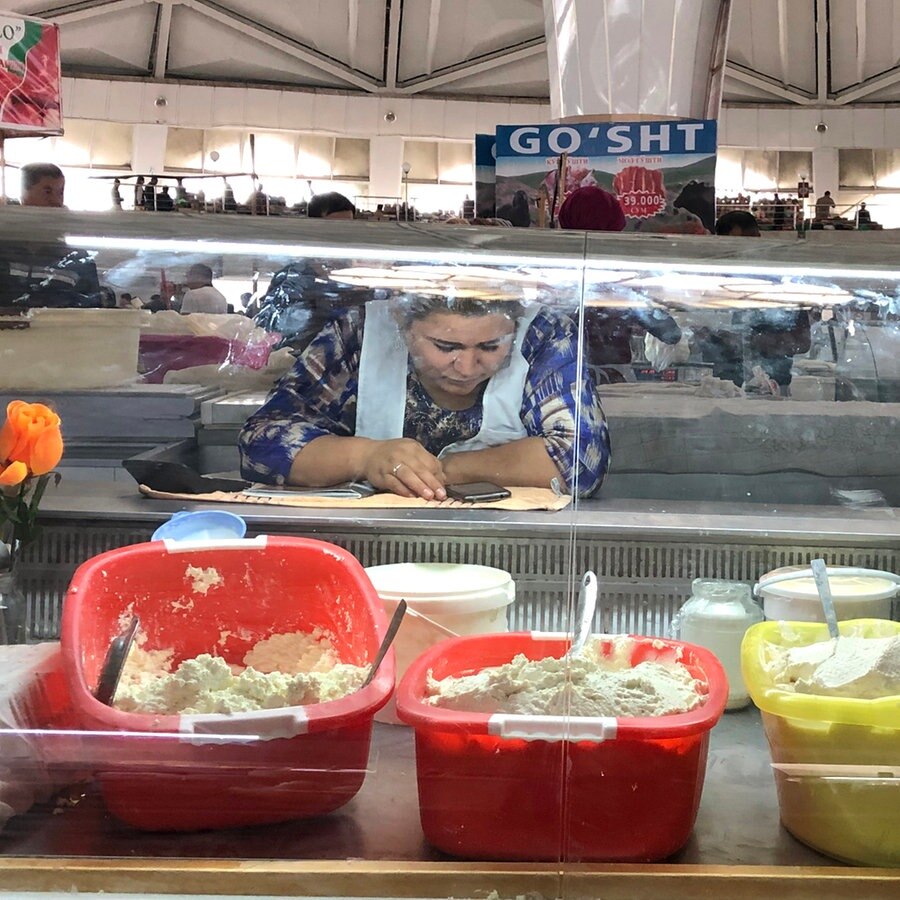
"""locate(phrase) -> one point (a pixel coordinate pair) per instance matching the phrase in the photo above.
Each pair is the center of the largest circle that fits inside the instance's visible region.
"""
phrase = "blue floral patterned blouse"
(318, 397)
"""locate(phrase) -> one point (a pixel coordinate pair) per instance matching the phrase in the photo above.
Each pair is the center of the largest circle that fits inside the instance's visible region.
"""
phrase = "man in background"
(824, 205)
(201, 296)
(608, 329)
(44, 272)
(768, 337)
(43, 184)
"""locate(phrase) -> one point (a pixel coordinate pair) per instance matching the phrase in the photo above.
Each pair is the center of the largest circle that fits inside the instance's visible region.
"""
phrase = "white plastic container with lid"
(716, 617)
(457, 598)
(790, 593)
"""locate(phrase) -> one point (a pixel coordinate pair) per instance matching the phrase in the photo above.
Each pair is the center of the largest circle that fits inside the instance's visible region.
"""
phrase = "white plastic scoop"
(820, 574)
(584, 613)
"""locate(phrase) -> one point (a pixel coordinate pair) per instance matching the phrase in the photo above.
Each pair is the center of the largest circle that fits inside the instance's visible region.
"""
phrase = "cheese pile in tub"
(290, 669)
(857, 667)
(589, 684)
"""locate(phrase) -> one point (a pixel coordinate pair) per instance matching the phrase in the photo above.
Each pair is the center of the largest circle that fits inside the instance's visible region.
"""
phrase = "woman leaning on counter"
(421, 391)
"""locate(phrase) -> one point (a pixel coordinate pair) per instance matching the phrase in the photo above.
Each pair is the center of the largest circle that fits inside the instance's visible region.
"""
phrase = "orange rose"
(31, 436)
(14, 473)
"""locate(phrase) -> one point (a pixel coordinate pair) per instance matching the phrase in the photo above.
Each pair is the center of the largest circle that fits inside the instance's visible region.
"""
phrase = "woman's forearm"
(522, 463)
(329, 460)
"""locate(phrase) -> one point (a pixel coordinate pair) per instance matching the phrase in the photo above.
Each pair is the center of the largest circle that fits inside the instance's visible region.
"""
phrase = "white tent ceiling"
(800, 52)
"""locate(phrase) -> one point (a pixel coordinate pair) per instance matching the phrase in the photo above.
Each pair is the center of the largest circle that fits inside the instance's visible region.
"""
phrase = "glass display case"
(748, 390)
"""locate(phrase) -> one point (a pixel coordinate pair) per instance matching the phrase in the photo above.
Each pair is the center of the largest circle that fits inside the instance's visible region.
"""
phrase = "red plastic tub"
(187, 772)
(506, 787)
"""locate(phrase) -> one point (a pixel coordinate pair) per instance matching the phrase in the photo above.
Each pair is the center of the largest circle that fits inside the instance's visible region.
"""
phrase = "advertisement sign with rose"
(31, 446)
(662, 172)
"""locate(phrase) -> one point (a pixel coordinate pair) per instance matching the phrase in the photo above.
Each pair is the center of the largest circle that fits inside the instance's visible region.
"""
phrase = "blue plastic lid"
(201, 525)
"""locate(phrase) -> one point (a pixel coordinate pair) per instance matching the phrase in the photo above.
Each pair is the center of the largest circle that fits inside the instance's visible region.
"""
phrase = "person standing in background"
(824, 205)
(229, 204)
(149, 201)
(770, 338)
(139, 192)
(116, 195)
(46, 274)
(201, 296)
(609, 329)
(43, 184)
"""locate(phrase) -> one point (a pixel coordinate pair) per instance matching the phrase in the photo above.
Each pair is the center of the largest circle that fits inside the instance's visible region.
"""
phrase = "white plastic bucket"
(463, 599)
(789, 593)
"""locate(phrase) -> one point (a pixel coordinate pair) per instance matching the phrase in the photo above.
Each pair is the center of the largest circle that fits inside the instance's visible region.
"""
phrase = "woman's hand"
(405, 467)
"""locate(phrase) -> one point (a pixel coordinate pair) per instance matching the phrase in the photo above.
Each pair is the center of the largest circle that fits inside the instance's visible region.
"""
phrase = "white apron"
(383, 370)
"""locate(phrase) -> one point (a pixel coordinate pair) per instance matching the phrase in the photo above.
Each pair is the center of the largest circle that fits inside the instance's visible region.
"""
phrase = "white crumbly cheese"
(203, 579)
(208, 684)
(293, 653)
(590, 684)
(864, 668)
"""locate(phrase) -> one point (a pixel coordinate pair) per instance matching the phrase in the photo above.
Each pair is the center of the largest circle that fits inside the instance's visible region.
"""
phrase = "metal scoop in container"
(823, 586)
(115, 661)
(584, 614)
(387, 640)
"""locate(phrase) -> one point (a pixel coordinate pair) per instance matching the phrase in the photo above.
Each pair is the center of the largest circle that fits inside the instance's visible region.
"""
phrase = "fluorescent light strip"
(87, 242)
(774, 269)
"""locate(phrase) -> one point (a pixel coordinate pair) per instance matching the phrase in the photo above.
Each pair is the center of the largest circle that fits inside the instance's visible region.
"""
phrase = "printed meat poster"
(29, 76)
(663, 173)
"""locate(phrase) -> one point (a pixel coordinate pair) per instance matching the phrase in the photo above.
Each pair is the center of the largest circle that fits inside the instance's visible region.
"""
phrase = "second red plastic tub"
(184, 772)
(549, 788)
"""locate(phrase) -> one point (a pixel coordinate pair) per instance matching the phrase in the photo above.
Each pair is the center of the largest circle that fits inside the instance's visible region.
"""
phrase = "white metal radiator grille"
(642, 583)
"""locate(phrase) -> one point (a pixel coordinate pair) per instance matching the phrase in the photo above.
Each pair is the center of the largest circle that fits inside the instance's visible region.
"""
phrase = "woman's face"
(455, 354)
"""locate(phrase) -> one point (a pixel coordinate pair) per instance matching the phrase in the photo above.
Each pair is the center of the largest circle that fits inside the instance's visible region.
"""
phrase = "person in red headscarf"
(591, 209)
(609, 330)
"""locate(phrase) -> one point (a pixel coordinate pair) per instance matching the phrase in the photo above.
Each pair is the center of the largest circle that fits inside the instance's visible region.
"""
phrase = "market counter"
(645, 553)
(374, 846)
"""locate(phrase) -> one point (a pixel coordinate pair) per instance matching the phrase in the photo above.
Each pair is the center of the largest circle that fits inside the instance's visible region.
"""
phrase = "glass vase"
(13, 606)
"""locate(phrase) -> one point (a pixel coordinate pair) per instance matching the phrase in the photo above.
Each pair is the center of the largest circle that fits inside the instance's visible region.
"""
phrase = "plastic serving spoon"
(388, 639)
(820, 574)
(115, 662)
(584, 613)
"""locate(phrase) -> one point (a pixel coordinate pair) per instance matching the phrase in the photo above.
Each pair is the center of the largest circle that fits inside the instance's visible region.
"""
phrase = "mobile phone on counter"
(476, 492)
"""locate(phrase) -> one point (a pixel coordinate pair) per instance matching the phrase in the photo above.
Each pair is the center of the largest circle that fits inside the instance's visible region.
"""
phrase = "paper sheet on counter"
(520, 499)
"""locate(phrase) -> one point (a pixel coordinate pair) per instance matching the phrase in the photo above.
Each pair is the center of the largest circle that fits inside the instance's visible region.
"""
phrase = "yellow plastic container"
(836, 760)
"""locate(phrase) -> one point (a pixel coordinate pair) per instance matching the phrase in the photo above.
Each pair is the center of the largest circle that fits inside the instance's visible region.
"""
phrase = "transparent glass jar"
(716, 616)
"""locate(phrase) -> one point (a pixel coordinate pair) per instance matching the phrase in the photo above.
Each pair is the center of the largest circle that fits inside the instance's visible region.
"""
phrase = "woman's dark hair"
(409, 308)
(323, 205)
(737, 218)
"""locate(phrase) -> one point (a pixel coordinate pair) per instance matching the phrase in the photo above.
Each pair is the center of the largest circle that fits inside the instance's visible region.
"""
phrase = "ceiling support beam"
(783, 42)
(524, 50)
(392, 43)
(886, 79)
(434, 20)
(770, 85)
(822, 28)
(88, 9)
(272, 38)
(159, 51)
(352, 31)
(860, 40)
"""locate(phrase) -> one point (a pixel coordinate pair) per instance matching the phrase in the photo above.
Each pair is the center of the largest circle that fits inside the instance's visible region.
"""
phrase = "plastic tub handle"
(553, 728)
(257, 543)
(265, 724)
(808, 573)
